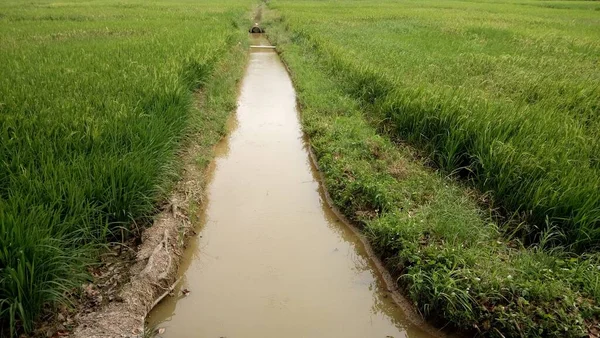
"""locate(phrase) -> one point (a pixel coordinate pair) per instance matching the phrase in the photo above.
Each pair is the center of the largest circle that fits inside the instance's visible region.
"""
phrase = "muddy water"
(271, 259)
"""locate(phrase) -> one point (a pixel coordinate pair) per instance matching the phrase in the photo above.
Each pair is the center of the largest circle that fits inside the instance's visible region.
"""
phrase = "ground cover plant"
(458, 265)
(95, 100)
(504, 94)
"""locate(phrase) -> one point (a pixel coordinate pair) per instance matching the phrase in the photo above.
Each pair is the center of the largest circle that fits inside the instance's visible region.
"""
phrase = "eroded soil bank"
(272, 259)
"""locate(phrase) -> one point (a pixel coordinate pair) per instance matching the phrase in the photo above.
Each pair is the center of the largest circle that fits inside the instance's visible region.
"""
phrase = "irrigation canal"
(272, 259)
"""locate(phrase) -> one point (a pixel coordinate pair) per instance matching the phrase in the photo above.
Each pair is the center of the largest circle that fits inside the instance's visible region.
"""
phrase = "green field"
(505, 94)
(95, 100)
(399, 99)
(462, 136)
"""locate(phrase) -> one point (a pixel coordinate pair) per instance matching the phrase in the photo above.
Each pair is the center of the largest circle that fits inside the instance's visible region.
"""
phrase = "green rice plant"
(95, 101)
(504, 95)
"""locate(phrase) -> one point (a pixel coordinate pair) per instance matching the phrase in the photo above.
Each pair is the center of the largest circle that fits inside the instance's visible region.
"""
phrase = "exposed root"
(167, 292)
(151, 275)
(162, 245)
(157, 262)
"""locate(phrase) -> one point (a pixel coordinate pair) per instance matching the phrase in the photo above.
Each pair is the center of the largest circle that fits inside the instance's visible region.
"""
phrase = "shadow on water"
(272, 259)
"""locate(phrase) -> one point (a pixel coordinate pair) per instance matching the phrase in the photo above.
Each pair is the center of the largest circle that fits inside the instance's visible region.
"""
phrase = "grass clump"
(503, 94)
(456, 265)
(95, 101)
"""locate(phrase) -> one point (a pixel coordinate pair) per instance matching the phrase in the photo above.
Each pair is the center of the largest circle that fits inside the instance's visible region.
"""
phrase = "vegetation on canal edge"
(504, 94)
(96, 98)
(458, 266)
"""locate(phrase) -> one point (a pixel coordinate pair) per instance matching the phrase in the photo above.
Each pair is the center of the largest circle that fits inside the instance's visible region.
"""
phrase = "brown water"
(272, 259)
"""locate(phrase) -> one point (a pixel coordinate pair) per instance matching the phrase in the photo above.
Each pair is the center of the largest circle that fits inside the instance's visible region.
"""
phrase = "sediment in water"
(273, 258)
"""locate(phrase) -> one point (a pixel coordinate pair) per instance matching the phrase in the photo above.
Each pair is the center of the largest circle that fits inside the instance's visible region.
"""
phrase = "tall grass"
(504, 94)
(95, 100)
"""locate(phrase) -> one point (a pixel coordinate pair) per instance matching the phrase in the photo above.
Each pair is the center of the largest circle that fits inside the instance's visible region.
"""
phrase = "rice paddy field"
(463, 137)
(505, 93)
(95, 101)
(410, 105)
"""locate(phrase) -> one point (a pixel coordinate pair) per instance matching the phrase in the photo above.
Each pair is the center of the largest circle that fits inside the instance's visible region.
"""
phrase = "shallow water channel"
(271, 258)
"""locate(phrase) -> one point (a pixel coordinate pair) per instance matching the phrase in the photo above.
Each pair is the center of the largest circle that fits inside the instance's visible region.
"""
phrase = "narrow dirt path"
(272, 259)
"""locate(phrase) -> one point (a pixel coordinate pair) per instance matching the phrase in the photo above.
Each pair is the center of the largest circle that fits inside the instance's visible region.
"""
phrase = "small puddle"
(272, 259)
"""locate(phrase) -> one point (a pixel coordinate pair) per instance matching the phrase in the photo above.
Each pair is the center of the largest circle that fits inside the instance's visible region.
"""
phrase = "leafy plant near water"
(95, 100)
(504, 94)
(450, 257)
